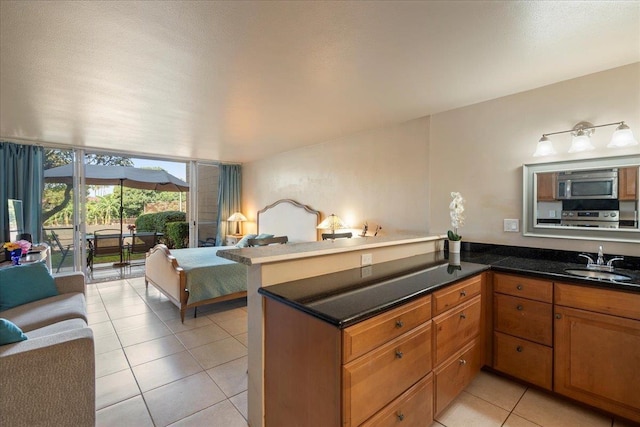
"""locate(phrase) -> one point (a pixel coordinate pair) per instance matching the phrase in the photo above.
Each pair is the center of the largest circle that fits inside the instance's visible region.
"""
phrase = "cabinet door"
(524, 318)
(456, 327)
(375, 379)
(414, 408)
(453, 295)
(628, 183)
(546, 187)
(456, 373)
(523, 287)
(523, 359)
(596, 360)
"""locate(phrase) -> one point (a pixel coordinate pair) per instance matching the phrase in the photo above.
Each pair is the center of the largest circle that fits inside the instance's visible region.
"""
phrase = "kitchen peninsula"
(276, 264)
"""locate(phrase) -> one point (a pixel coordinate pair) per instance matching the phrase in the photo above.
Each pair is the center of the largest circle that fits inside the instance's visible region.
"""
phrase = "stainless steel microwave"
(596, 184)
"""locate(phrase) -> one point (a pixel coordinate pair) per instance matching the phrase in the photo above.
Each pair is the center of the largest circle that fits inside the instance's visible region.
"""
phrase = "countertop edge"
(294, 251)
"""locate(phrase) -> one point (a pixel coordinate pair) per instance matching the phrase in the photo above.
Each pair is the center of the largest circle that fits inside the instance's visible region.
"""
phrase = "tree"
(56, 197)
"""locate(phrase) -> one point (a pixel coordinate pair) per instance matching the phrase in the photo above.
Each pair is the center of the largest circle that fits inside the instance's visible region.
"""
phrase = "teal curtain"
(22, 170)
(229, 197)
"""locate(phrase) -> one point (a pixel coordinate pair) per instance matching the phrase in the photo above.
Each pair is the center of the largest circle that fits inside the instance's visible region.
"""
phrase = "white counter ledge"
(292, 251)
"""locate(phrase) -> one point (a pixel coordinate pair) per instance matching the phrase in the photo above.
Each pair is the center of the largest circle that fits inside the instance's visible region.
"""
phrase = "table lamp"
(333, 223)
(237, 217)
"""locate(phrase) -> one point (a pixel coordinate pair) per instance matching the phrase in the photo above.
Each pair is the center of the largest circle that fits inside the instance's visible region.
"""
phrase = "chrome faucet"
(600, 260)
(599, 263)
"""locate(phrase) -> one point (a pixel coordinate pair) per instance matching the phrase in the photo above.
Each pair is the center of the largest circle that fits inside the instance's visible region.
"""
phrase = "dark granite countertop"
(549, 264)
(348, 297)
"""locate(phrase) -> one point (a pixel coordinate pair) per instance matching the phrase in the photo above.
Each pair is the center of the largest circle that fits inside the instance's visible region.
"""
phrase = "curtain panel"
(22, 170)
(229, 198)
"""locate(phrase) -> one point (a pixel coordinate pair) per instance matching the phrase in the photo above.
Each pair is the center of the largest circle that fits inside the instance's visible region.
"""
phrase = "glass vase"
(15, 256)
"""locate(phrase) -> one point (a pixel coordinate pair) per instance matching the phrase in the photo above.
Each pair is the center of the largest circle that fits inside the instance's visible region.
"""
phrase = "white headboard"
(289, 218)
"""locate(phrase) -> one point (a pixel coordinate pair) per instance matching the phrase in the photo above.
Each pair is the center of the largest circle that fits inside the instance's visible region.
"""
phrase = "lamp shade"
(332, 222)
(622, 137)
(237, 216)
(544, 148)
(581, 142)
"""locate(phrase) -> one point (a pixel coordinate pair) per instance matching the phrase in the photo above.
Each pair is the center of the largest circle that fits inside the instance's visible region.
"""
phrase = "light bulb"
(544, 148)
(622, 137)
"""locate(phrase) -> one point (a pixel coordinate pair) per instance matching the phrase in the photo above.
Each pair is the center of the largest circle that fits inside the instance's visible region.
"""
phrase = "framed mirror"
(16, 219)
(592, 199)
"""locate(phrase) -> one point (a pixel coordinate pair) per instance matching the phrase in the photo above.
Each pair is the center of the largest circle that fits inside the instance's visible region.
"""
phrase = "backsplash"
(629, 262)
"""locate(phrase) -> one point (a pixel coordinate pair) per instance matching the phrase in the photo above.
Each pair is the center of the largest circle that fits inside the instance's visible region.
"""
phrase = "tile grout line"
(130, 367)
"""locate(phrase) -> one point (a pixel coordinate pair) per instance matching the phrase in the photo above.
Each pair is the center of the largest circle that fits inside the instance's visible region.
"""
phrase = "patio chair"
(105, 242)
(56, 246)
(141, 243)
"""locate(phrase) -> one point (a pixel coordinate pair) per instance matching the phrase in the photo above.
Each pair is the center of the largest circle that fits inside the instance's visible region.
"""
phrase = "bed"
(196, 276)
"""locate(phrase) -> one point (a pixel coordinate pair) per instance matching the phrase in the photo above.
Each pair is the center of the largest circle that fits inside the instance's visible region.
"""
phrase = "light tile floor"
(153, 370)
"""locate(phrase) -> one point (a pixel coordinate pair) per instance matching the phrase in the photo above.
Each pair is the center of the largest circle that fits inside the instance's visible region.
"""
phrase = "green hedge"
(157, 221)
(177, 237)
(177, 234)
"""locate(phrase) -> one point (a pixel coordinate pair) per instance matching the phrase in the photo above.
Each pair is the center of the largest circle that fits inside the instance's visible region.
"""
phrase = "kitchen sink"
(595, 274)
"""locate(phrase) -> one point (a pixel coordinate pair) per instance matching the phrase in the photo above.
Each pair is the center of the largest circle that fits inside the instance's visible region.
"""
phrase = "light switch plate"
(512, 225)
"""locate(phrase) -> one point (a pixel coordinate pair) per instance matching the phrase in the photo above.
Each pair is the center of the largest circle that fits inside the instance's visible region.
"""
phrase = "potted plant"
(456, 210)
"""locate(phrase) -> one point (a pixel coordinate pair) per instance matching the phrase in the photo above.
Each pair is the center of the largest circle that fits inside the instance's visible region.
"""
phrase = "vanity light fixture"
(581, 141)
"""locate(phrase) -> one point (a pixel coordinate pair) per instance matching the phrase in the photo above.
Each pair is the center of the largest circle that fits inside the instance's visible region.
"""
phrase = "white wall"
(489, 142)
(379, 176)
(400, 176)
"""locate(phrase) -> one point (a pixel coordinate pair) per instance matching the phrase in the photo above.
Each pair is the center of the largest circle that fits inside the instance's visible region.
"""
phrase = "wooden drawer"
(523, 359)
(524, 287)
(365, 336)
(449, 297)
(413, 408)
(453, 376)
(607, 301)
(524, 318)
(456, 327)
(371, 382)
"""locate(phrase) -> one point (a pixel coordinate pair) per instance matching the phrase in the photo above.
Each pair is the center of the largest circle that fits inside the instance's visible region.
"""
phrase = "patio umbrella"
(125, 176)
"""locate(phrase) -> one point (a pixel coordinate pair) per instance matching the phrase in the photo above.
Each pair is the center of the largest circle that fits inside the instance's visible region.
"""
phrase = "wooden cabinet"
(375, 380)
(523, 328)
(597, 348)
(628, 183)
(383, 371)
(458, 342)
(453, 375)
(546, 186)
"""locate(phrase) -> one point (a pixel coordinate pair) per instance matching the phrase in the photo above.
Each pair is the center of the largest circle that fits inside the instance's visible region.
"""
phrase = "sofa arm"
(49, 380)
(70, 282)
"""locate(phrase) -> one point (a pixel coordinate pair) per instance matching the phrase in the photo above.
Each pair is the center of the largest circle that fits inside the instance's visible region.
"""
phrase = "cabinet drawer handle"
(519, 349)
(463, 316)
(558, 316)
(399, 323)
(400, 416)
(463, 293)
(399, 354)
(519, 307)
(519, 287)
(462, 362)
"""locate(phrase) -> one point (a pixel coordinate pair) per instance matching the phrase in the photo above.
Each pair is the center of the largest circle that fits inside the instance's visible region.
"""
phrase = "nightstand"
(233, 239)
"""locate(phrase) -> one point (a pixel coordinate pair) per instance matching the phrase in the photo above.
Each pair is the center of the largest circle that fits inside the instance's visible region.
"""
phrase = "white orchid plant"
(456, 210)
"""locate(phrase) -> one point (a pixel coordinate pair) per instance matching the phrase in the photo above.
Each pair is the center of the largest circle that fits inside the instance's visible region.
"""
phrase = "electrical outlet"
(366, 271)
(512, 225)
(366, 259)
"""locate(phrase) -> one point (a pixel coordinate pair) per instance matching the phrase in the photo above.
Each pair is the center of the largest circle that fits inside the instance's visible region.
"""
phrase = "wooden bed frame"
(284, 217)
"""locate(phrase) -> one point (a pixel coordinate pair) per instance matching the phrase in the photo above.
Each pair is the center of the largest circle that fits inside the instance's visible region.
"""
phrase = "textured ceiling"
(238, 81)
